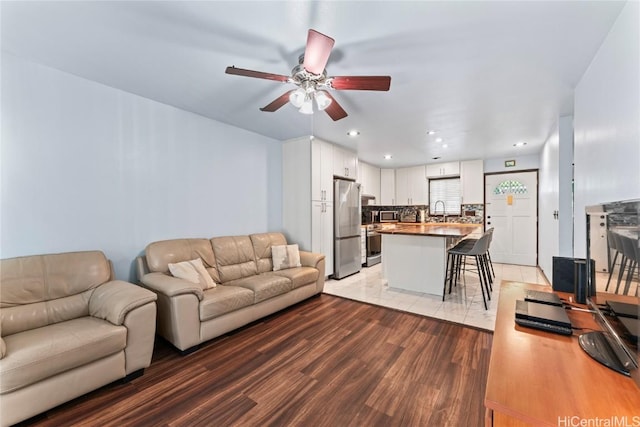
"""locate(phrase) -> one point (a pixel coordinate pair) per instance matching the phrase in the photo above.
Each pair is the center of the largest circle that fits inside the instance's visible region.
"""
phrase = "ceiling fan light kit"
(311, 78)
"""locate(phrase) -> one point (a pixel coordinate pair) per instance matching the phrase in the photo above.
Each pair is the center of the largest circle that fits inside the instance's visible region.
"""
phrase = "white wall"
(548, 197)
(85, 166)
(565, 187)
(531, 161)
(555, 235)
(607, 108)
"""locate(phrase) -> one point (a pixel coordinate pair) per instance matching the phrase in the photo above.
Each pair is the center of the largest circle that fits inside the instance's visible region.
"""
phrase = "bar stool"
(630, 251)
(617, 247)
(471, 241)
(456, 258)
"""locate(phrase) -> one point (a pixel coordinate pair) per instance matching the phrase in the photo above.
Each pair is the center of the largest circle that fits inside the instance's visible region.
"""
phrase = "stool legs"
(613, 264)
(482, 277)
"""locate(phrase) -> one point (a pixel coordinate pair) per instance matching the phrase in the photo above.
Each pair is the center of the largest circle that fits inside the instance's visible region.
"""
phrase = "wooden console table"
(543, 379)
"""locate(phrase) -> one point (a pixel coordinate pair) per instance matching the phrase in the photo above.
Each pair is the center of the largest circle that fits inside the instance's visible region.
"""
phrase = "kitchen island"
(415, 254)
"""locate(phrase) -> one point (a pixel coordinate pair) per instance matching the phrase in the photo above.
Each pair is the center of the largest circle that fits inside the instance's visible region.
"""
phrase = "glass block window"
(510, 187)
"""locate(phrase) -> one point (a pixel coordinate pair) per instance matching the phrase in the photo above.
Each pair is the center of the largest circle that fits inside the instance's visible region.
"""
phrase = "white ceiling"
(483, 74)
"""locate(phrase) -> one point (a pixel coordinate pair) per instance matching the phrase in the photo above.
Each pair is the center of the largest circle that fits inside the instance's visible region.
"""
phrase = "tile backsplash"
(471, 214)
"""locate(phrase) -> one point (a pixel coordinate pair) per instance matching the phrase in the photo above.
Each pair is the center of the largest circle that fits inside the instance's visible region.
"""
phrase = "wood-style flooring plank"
(327, 361)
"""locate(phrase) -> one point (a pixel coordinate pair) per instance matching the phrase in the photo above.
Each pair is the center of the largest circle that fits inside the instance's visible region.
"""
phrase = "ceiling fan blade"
(256, 74)
(317, 52)
(334, 110)
(361, 83)
(277, 103)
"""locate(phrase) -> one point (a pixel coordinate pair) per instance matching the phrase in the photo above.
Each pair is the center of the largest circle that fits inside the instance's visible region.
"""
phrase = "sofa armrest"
(317, 261)
(171, 286)
(3, 348)
(311, 259)
(113, 300)
(141, 267)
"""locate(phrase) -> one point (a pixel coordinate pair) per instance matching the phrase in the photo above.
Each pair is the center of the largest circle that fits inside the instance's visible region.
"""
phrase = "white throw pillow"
(193, 271)
(285, 256)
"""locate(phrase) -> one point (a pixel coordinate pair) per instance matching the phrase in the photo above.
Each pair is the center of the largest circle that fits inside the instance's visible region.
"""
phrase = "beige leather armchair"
(66, 329)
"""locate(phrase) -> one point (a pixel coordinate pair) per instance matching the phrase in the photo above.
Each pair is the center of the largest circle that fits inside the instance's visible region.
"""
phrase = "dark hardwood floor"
(324, 362)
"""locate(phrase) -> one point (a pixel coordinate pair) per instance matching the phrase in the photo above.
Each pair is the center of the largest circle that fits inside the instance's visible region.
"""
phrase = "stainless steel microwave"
(388, 216)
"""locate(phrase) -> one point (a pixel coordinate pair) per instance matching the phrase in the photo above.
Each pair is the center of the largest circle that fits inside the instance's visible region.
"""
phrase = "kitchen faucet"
(444, 209)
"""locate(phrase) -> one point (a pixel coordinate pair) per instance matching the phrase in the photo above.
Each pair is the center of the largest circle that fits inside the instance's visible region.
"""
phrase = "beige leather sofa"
(247, 288)
(67, 329)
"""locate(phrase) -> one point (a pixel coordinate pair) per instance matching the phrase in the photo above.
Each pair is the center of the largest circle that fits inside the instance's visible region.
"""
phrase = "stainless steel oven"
(374, 246)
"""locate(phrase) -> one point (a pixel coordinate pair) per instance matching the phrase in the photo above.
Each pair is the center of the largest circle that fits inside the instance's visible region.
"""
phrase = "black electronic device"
(623, 309)
(632, 328)
(564, 273)
(550, 318)
(547, 327)
(541, 297)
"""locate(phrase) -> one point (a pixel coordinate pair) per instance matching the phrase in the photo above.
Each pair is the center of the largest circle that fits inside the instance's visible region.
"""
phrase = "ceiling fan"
(311, 78)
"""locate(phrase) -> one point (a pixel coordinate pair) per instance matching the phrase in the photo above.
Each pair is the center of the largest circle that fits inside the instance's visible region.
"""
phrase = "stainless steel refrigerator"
(346, 228)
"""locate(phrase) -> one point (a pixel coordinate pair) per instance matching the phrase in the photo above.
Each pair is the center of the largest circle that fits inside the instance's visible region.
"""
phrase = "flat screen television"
(613, 241)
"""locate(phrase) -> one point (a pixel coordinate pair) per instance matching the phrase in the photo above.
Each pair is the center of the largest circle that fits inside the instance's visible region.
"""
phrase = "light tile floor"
(369, 286)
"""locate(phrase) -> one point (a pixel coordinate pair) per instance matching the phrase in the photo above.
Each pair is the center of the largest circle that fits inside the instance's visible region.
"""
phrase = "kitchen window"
(444, 196)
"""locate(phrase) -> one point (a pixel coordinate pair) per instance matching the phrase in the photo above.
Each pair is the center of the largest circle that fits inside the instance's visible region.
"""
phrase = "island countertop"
(430, 229)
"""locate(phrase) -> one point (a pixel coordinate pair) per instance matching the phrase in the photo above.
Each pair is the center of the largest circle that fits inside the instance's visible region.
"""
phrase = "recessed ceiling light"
(520, 144)
(353, 133)
(438, 139)
(387, 156)
(431, 132)
(445, 145)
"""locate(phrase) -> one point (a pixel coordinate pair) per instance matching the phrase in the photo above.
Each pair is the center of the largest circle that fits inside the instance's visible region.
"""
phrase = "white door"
(511, 208)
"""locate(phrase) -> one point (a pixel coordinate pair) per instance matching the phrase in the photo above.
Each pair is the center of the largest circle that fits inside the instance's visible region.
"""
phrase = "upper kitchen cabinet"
(345, 163)
(321, 170)
(387, 187)
(411, 186)
(369, 179)
(472, 181)
(441, 170)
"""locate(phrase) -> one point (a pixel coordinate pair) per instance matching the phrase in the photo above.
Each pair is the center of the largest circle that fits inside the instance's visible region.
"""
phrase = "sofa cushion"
(234, 257)
(264, 286)
(262, 244)
(224, 299)
(40, 353)
(160, 254)
(38, 278)
(40, 290)
(299, 276)
(192, 271)
(31, 316)
(285, 256)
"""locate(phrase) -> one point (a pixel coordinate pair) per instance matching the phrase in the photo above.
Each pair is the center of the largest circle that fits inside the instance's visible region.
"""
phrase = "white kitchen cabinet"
(306, 221)
(369, 179)
(472, 181)
(322, 232)
(345, 163)
(440, 170)
(419, 186)
(411, 186)
(402, 187)
(387, 187)
(321, 170)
